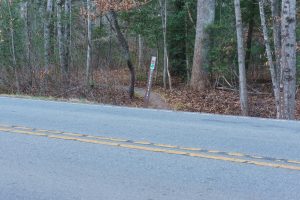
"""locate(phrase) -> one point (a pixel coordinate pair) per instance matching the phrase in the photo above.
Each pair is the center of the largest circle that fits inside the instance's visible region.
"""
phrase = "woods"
(81, 48)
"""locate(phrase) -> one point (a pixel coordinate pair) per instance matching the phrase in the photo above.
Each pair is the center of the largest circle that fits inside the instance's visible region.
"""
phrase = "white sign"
(153, 62)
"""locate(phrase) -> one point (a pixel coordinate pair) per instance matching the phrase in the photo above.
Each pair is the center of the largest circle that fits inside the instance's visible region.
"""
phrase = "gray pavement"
(35, 168)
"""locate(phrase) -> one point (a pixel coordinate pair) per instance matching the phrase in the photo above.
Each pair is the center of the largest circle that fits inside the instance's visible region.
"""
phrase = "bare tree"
(60, 38)
(241, 59)
(164, 19)
(288, 57)
(275, 8)
(67, 31)
(125, 48)
(111, 7)
(89, 43)
(273, 68)
(26, 15)
(12, 42)
(140, 52)
(47, 24)
(205, 17)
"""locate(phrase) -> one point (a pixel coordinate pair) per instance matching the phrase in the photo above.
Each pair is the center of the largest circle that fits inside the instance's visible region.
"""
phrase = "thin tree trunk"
(187, 60)
(140, 52)
(110, 47)
(241, 59)
(205, 17)
(288, 56)
(67, 32)
(125, 48)
(273, 71)
(275, 8)
(89, 43)
(276, 18)
(47, 48)
(13, 52)
(164, 18)
(60, 38)
(28, 38)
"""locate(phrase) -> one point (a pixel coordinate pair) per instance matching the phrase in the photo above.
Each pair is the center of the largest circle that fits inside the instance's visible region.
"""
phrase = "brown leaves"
(117, 5)
(222, 102)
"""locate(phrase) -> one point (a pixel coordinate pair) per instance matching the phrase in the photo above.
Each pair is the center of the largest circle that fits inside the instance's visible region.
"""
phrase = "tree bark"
(288, 57)
(26, 15)
(89, 42)
(125, 48)
(13, 51)
(47, 48)
(140, 53)
(60, 38)
(275, 81)
(67, 32)
(275, 8)
(205, 17)
(164, 19)
(241, 59)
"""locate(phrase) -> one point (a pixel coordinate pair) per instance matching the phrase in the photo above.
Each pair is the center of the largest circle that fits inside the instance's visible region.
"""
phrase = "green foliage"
(177, 37)
(10, 23)
(144, 21)
(222, 52)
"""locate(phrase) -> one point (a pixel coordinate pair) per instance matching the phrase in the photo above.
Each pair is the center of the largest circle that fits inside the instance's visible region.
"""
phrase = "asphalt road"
(56, 150)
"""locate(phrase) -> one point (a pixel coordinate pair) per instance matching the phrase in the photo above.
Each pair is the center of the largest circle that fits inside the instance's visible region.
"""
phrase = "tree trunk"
(187, 60)
(275, 8)
(241, 59)
(124, 44)
(205, 17)
(275, 81)
(89, 43)
(26, 15)
(60, 38)
(47, 48)
(288, 57)
(140, 53)
(67, 32)
(164, 18)
(13, 51)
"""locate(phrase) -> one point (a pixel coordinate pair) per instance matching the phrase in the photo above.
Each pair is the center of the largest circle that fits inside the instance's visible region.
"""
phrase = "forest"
(236, 57)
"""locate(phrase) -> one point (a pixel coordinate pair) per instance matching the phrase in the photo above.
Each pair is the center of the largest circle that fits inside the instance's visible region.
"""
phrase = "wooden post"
(150, 78)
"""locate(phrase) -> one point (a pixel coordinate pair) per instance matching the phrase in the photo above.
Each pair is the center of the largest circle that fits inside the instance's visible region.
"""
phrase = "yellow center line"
(190, 149)
(152, 147)
(294, 161)
(236, 154)
(142, 142)
(166, 146)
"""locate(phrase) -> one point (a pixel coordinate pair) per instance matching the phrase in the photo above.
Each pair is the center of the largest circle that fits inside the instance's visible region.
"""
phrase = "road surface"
(69, 151)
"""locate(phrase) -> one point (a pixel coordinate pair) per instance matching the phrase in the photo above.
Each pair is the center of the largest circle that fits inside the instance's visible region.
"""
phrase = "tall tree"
(164, 19)
(60, 38)
(275, 10)
(67, 31)
(89, 42)
(125, 48)
(288, 57)
(12, 42)
(273, 67)
(241, 59)
(205, 17)
(47, 24)
(140, 52)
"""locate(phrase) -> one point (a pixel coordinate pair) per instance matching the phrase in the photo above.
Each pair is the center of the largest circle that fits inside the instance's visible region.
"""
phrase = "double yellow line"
(155, 147)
